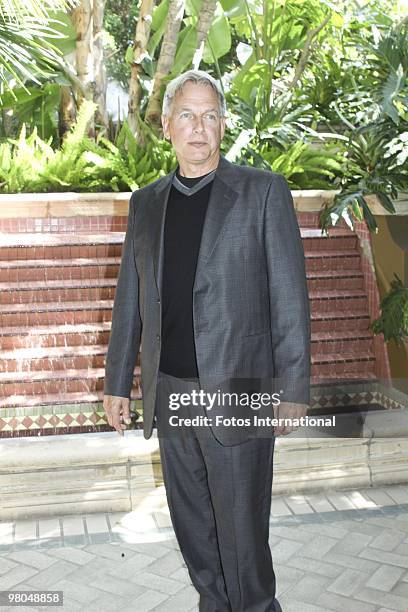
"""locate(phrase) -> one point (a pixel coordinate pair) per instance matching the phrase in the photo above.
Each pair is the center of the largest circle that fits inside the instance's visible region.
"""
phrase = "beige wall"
(390, 257)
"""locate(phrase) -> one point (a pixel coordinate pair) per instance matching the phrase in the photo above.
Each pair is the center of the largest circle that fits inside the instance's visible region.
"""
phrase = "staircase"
(342, 343)
(56, 301)
(56, 298)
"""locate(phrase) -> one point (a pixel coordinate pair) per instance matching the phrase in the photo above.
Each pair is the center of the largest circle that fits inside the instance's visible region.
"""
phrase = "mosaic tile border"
(88, 418)
(359, 394)
(64, 419)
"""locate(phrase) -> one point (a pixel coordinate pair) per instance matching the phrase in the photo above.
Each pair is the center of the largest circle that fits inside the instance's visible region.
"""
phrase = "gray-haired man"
(212, 285)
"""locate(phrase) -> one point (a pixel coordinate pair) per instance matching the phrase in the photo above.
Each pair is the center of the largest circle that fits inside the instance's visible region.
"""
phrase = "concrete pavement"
(339, 551)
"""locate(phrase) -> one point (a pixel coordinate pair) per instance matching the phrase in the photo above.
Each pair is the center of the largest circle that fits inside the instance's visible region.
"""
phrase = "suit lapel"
(222, 199)
(156, 226)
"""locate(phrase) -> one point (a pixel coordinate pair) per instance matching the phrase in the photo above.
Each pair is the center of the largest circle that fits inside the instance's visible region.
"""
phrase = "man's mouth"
(197, 144)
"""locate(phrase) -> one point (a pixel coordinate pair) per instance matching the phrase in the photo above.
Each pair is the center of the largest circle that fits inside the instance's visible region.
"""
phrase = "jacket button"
(158, 337)
(158, 301)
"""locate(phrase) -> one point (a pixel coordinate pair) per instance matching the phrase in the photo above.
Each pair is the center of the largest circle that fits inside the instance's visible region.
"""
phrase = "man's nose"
(198, 124)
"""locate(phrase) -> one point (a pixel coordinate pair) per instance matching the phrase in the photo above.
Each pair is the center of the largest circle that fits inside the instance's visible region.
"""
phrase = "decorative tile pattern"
(61, 419)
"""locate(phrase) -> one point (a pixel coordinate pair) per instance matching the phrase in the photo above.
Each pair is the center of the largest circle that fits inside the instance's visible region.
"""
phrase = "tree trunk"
(142, 35)
(67, 111)
(98, 63)
(205, 18)
(165, 62)
(82, 18)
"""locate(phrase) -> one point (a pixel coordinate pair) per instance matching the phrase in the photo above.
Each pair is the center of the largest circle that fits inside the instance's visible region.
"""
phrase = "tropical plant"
(375, 149)
(27, 29)
(30, 164)
(393, 322)
(374, 163)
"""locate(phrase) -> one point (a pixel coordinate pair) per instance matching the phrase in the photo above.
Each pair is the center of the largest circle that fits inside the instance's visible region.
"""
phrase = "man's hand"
(117, 411)
(286, 410)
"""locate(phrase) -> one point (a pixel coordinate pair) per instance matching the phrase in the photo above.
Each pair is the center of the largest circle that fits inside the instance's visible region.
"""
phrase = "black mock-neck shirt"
(185, 214)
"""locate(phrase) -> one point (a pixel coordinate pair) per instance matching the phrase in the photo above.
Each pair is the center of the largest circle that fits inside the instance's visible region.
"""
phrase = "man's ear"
(223, 124)
(165, 124)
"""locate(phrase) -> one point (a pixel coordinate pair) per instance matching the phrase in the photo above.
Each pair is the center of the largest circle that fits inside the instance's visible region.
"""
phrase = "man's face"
(195, 118)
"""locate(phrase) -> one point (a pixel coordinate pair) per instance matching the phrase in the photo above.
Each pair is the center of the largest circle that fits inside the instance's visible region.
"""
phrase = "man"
(212, 285)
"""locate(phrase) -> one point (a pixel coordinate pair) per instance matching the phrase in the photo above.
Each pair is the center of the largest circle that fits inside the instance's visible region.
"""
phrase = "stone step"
(60, 245)
(334, 279)
(338, 299)
(54, 313)
(66, 290)
(344, 341)
(54, 335)
(20, 270)
(348, 259)
(338, 320)
(19, 384)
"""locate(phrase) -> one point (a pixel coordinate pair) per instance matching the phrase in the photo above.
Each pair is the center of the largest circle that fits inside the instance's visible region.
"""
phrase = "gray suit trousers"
(220, 500)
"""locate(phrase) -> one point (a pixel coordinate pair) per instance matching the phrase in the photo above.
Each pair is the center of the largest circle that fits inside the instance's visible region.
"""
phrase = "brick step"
(56, 382)
(337, 320)
(332, 232)
(18, 270)
(54, 313)
(66, 290)
(337, 299)
(334, 279)
(53, 358)
(342, 363)
(54, 335)
(349, 259)
(339, 379)
(344, 341)
(52, 399)
(340, 240)
(60, 245)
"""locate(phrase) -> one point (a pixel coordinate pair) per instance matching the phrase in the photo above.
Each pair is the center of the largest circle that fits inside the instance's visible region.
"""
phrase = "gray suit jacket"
(250, 300)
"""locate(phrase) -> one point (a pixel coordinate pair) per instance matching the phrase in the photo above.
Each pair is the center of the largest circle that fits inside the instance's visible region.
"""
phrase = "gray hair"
(196, 76)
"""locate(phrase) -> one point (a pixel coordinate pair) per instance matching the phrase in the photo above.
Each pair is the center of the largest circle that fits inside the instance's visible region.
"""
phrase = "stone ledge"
(102, 472)
(72, 204)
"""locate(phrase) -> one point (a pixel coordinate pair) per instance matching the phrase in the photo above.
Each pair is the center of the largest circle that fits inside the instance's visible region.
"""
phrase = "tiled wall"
(64, 224)
(382, 369)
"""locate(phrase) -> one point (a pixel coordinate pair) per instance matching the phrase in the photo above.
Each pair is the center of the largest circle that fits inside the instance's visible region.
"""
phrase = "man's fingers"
(117, 410)
(289, 412)
(126, 414)
(118, 425)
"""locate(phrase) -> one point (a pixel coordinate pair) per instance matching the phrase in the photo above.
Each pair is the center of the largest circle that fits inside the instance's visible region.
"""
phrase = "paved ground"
(340, 552)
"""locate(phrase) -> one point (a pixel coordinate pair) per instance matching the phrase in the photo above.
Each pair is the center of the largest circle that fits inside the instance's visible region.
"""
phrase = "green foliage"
(35, 107)
(376, 148)
(29, 35)
(393, 322)
(374, 163)
(30, 164)
(119, 23)
(282, 140)
(350, 91)
(304, 166)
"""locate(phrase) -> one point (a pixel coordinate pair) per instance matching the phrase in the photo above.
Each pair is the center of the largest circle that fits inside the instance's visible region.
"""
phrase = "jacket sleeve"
(288, 294)
(124, 340)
